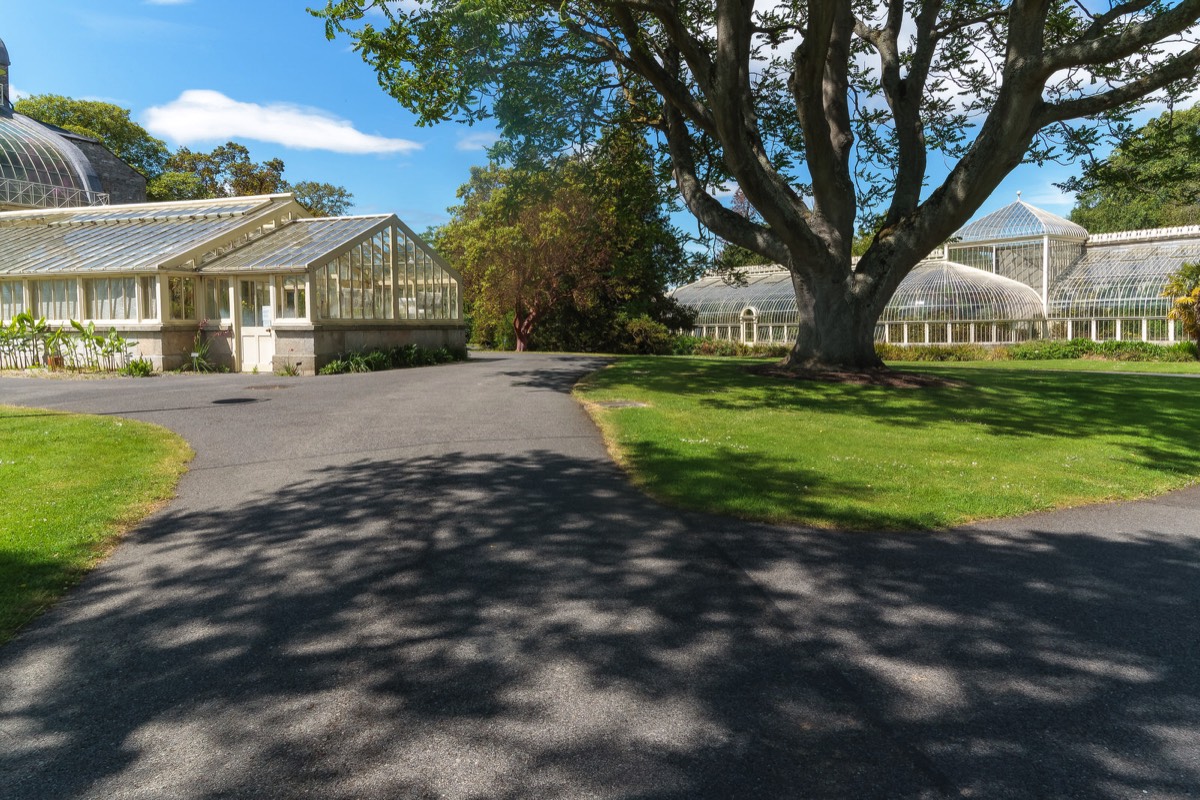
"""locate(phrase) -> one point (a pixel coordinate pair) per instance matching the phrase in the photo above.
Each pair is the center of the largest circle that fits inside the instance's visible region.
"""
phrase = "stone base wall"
(306, 347)
(169, 348)
(311, 349)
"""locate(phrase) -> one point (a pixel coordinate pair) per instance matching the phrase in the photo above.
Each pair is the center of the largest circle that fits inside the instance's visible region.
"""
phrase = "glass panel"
(148, 287)
(1131, 330)
(111, 298)
(182, 292)
(12, 299)
(254, 296)
(216, 300)
(292, 297)
(56, 299)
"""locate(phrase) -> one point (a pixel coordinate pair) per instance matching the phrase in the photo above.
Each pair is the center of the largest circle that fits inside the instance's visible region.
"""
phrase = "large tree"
(527, 241)
(1151, 179)
(610, 250)
(823, 112)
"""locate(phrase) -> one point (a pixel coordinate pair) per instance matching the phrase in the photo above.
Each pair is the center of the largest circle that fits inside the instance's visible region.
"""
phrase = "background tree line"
(184, 174)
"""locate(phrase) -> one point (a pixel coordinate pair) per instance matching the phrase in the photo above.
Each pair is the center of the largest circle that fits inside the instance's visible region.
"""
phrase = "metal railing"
(42, 195)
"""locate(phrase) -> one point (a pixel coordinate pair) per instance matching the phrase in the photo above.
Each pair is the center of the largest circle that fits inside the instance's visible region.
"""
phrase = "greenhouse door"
(256, 342)
(748, 321)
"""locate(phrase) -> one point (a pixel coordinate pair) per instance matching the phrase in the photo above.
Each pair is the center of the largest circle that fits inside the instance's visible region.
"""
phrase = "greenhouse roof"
(1018, 221)
(300, 244)
(1121, 280)
(717, 299)
(945, 291)
(131, 238)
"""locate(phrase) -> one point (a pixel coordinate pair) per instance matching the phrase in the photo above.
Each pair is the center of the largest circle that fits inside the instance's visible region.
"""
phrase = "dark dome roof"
(4, 62)
(36, 157)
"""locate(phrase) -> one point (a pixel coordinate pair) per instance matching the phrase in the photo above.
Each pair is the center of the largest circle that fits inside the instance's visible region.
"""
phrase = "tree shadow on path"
(527, 626)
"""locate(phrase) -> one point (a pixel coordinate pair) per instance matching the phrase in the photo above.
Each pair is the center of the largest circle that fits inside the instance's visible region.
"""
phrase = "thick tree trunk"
(837, 330)
(522, 327)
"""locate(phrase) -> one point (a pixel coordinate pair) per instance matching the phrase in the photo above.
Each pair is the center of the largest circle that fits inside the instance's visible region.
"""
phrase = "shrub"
(399, 357)
(1048, 350)
(647, 337)
(1042, 350)
(138, 368)
(933, 352)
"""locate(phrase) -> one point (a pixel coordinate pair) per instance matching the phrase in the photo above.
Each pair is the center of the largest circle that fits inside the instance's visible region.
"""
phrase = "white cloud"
(477, 141)
(203, 115)
(16, 94)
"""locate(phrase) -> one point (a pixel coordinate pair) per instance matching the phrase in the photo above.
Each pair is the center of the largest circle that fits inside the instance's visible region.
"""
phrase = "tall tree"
(526, 241)
(1150, 180)
(106, 122)
(824, 112)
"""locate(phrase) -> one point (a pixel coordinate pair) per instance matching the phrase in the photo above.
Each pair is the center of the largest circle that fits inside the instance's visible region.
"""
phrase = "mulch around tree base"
(873, 376)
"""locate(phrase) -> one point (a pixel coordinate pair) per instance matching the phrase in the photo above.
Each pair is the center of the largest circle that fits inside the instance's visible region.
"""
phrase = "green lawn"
(1011, 439)
(70, 485)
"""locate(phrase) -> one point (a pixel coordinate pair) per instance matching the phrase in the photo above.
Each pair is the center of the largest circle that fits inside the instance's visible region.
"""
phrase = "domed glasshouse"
(1016, 274)
(42, 166)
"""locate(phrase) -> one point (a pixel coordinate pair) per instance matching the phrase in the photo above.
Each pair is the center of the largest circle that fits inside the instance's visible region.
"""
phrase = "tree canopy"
(832, 116)
(568, 253)
(1151, 179)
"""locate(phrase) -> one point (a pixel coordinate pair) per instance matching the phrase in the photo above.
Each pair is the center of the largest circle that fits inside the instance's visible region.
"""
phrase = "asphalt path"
(435, 584)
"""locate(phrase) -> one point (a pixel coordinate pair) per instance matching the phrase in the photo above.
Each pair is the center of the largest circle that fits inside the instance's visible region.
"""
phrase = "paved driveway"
(434, 584)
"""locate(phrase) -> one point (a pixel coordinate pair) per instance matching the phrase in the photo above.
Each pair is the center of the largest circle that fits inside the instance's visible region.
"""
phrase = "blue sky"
(201, 72)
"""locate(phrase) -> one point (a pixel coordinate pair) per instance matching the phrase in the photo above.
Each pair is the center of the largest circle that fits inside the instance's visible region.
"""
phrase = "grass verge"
(1007, 440)
(70, 485)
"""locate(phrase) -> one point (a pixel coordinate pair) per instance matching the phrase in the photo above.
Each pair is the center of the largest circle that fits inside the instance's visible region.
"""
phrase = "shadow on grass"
(527, 626)
(1158, 413)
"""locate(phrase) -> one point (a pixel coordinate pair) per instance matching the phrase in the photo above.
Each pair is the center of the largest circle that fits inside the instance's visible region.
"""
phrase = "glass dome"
(1017, 221)
(943, 291)
(766, 292)
(41, 169)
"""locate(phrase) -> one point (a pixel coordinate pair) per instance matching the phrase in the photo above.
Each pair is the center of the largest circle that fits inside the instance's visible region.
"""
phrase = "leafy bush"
(138, 368)
(1042, 350)
(400, 357)
(647, 337)
(1047, 350)
(935, 352)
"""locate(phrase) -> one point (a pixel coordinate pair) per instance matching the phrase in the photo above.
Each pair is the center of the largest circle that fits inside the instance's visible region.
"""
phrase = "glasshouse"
(1016, 274)
(254, 283)
(243, 283)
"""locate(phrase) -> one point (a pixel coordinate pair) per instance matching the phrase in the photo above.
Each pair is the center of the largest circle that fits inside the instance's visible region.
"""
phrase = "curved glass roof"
(719, 301)
(31, 153)
(943, 291)
(1016, 221)
(940, 291)
(1121, 280)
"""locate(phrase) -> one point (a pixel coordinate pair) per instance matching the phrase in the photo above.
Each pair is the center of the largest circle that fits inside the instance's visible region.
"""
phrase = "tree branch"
(1176, 69)
(1095, 49)
(730, 226)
